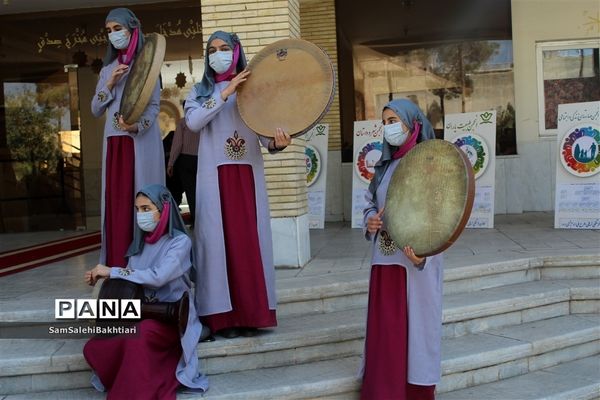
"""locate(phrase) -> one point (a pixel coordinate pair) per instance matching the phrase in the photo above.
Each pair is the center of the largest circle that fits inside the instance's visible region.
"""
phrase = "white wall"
(334, 192)
(529, 179)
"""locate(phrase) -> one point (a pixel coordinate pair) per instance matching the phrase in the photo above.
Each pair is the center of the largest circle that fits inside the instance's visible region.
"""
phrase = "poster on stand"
(577, 194)
(315, 155)
(475, 134)
(368, 137)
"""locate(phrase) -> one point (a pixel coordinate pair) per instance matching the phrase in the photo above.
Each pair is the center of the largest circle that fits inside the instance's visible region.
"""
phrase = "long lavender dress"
(224, 139)
(162, 268)
(424, 294)
(149, 155)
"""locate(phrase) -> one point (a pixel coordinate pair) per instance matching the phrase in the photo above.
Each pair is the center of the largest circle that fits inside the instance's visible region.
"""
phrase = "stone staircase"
(527, 328)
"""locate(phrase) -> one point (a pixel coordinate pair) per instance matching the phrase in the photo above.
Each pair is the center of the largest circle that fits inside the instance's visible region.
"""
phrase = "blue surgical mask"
(119, 39)
(145, 221)
(220, 61)
(394, 134)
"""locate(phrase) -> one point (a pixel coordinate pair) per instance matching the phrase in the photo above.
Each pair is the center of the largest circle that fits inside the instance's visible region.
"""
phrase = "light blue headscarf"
(410, 114)
(159, 195)
(206, 86)
(126, 18)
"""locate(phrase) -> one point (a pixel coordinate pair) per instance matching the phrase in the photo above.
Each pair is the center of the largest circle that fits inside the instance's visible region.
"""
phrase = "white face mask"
(145, 221)
(119, 39)
(394, 134)
(220, 61)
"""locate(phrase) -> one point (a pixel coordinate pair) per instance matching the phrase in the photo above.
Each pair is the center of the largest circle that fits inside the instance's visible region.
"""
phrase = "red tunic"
(140, 366)
(247, 288)
(118, 195)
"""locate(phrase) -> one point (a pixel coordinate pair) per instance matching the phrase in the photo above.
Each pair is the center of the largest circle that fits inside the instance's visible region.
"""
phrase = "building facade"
(519, 57)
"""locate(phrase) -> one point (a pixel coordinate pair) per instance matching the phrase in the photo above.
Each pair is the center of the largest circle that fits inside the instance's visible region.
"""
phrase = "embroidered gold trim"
(210, 103)
(387, 246)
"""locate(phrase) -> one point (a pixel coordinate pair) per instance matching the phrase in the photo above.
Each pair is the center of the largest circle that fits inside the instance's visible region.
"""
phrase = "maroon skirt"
(245, 272)
(140, 366)
(118, 199)
(386, 343)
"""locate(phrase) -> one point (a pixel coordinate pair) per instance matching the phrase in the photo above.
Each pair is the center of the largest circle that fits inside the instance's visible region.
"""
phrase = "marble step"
(305, 381)
(519, 349)
(575, 380)
(299, 338)
(482, 274)
(336, 379)
(337, 291)
(29, 366)
(482, 310)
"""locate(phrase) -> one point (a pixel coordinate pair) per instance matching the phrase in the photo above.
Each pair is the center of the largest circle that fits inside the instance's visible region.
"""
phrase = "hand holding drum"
(375, 222)
(234, 84)
(116, 75)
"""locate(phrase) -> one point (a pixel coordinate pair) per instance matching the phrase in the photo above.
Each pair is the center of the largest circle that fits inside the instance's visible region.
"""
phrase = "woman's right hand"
(234, 83)
(375, 222)
(116, 75)
(89, 279)
(99, 271)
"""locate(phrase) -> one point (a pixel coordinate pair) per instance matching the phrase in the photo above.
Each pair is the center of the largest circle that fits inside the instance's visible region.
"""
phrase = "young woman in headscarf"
(404, 322)
(132, 154)
(235, 284)
(152, 363)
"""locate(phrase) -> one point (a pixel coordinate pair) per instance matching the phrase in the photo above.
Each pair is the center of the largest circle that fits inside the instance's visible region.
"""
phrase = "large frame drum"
(291, 86)
(142, 78)
(430, 197)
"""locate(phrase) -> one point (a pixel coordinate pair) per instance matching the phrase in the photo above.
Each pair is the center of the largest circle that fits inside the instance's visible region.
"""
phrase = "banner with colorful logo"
(315, 155)
(475, 134)
(577, 197)
(368, 136)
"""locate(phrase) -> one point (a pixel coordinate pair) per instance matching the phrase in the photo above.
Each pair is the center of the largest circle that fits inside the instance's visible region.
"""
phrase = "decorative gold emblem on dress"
(102, 96)
(210, 103)
(125, 271)
(235, 147)
(115, 122)
(387, 246)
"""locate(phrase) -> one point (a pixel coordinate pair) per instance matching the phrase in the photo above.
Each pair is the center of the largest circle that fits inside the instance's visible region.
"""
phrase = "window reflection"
(570, 75)
(451, 78)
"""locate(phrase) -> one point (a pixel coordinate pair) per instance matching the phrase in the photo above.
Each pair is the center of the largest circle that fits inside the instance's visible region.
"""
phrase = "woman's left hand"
(281, 140)
(133, 128)
(410, 253)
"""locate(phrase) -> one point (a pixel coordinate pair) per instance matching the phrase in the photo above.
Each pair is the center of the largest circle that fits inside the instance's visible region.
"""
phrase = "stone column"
(318, 25)
(92, 137)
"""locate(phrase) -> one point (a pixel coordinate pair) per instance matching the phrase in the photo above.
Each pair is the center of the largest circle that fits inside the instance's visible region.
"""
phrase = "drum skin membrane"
(291, 86)
(430, 197)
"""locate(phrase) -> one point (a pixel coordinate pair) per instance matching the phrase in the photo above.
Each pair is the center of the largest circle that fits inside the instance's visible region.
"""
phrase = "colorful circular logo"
(313, 164)
(366, 160)
(580, 151)
(476, 150)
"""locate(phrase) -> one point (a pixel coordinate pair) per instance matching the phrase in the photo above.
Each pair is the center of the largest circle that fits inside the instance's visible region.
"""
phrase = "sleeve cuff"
(104, 95)
(421, 265)
(118, 272)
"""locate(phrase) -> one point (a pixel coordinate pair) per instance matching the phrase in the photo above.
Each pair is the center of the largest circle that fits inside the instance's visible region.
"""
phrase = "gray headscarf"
(126, 18)
(206, 86)
(410, 114)
(159, 195)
